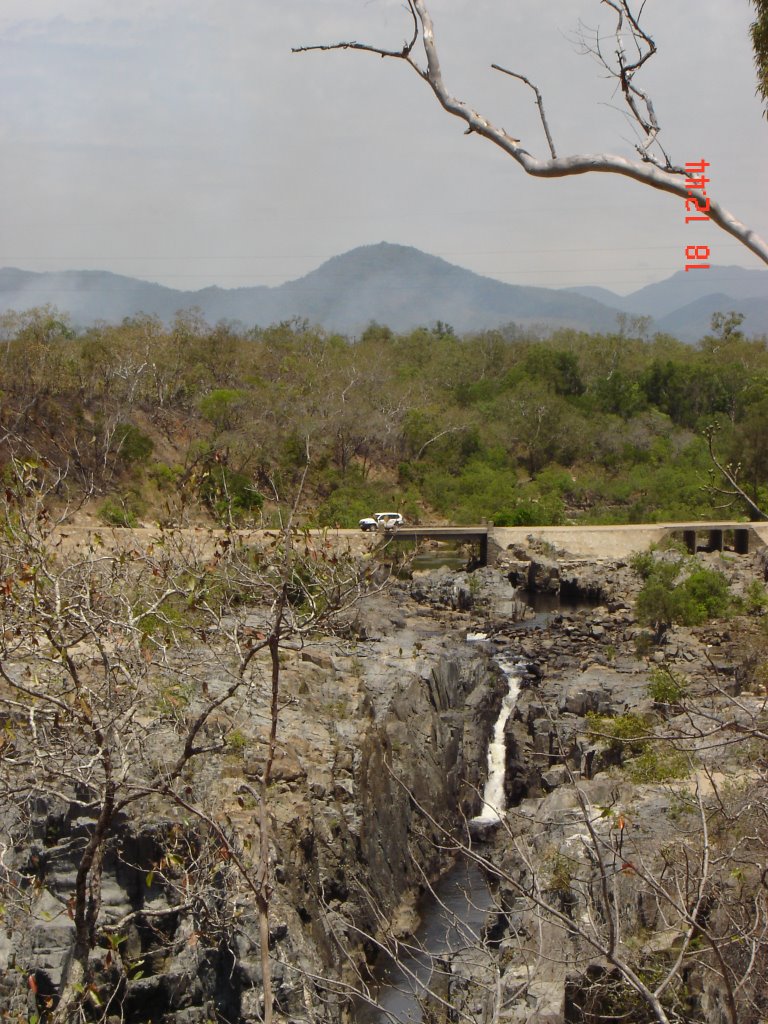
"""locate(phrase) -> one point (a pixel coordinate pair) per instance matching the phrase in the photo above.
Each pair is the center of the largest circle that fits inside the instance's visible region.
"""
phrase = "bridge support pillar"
(715, 540)
(741, 542)
(689, 539)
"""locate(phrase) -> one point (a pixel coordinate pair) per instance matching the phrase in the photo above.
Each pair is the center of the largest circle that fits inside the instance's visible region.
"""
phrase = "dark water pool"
(453, 916)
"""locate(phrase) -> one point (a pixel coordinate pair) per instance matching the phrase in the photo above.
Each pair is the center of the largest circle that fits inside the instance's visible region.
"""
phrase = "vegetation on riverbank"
(200, 423)
(275, 738)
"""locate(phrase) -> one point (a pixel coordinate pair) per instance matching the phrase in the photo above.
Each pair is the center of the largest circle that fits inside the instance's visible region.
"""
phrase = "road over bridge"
(598, 542)
(589, 542)
(605, 542)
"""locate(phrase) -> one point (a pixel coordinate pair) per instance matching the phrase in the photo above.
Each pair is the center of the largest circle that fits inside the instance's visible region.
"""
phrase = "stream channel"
(453, 915)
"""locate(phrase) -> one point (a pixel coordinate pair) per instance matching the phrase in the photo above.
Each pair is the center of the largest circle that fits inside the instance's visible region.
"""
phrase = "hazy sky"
(181, 141)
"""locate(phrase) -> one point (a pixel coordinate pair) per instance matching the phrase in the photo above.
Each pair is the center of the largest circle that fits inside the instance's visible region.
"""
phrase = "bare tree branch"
(656, 174)
(539, 104)
(730, 475)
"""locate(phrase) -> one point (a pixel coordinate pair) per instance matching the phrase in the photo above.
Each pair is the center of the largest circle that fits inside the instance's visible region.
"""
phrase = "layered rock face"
(380, 760)
(374, 734)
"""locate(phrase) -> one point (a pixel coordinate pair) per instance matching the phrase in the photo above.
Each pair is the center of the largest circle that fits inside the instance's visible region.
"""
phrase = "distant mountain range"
(403, 288)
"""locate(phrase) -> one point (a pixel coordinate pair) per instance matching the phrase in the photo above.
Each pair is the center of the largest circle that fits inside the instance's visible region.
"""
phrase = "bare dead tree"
(121, 665)
(731, 490)
(623, 56)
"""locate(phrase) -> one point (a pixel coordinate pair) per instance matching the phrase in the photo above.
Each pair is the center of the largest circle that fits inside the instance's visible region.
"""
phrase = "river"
(453, 914)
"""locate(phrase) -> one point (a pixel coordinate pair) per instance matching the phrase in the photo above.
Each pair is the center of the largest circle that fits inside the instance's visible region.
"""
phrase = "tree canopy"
(190, 423)
(759, 32)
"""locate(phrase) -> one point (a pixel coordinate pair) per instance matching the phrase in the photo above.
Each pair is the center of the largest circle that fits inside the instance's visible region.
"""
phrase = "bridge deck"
(607, 542)
(593, 542)
(598, 542)
(467, 533)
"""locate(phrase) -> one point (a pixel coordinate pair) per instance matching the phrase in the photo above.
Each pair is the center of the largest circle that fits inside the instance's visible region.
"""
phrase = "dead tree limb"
(650, 170)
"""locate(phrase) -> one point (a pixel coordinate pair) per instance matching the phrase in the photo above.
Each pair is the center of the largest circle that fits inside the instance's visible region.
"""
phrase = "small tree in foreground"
(122, 667)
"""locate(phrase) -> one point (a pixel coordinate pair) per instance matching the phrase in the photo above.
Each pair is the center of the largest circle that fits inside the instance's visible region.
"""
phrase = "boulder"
(544, 576)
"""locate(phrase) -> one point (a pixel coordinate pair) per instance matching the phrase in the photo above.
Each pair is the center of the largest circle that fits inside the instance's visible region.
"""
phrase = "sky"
(181, 141)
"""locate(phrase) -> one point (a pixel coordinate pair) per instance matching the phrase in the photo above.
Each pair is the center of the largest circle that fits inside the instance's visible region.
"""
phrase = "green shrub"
(237, 741)
(223, 407)
(471, 492)
(701, 595)
(229, 494)
(656, 764)
(630, 739)
(122, 510)
(131, 444)
(664, 687)
(547, 511)
(647, 565)
(347, 505)
(625, 734)
(164, 475)
(555, 480)
(756, 600)
(704, 595)
(657, 605)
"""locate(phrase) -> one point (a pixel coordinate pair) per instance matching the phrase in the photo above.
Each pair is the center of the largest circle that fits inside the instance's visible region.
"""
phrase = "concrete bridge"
(480, 535)
(595, 543)
(598, 542)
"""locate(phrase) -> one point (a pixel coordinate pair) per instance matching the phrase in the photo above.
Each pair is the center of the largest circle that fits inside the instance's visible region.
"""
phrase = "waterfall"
(457, 910)
(494, 802)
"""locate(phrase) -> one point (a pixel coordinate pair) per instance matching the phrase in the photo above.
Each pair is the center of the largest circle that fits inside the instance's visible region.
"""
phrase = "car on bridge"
(382, 521)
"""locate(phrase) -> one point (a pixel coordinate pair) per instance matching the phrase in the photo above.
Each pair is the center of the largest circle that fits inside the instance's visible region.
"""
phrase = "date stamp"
(697, 205)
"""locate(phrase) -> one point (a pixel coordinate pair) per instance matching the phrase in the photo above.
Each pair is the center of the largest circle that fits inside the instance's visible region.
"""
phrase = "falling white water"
(494, 802)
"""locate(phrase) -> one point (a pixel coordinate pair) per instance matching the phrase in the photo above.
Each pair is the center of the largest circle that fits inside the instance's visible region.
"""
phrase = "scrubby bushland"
(678, 590)
(124, 670)
(220, 422)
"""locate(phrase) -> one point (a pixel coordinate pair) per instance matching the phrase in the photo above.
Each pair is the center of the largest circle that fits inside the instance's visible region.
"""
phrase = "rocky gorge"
(629, 866)
(600, 879)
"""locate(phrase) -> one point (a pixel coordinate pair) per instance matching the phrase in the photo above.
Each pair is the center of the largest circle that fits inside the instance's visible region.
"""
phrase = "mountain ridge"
(402, 287)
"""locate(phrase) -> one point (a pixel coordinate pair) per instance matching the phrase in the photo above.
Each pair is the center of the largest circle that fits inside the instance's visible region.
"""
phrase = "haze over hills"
(683, 304)
(403, 288)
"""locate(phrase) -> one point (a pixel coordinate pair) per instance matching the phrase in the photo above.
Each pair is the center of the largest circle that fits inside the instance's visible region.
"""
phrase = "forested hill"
(194, 422)
(402, 288)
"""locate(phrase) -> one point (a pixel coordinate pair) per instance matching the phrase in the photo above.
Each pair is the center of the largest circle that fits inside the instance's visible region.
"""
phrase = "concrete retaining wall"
(610, 542)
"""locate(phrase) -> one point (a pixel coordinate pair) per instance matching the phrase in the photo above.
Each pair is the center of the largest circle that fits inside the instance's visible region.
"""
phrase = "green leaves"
(665, 599)
(461, 427)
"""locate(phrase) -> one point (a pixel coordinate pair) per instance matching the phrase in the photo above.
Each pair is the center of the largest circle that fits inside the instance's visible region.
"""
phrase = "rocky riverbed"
(629, 867)
(397, 711)
(380, 764)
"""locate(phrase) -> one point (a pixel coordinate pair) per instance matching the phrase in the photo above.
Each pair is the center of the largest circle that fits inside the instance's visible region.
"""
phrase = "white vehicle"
(382, 521)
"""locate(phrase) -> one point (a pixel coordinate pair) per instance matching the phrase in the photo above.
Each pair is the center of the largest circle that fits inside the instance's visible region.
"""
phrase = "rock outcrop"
(607, 791)
(374, 734)
(380, 760)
